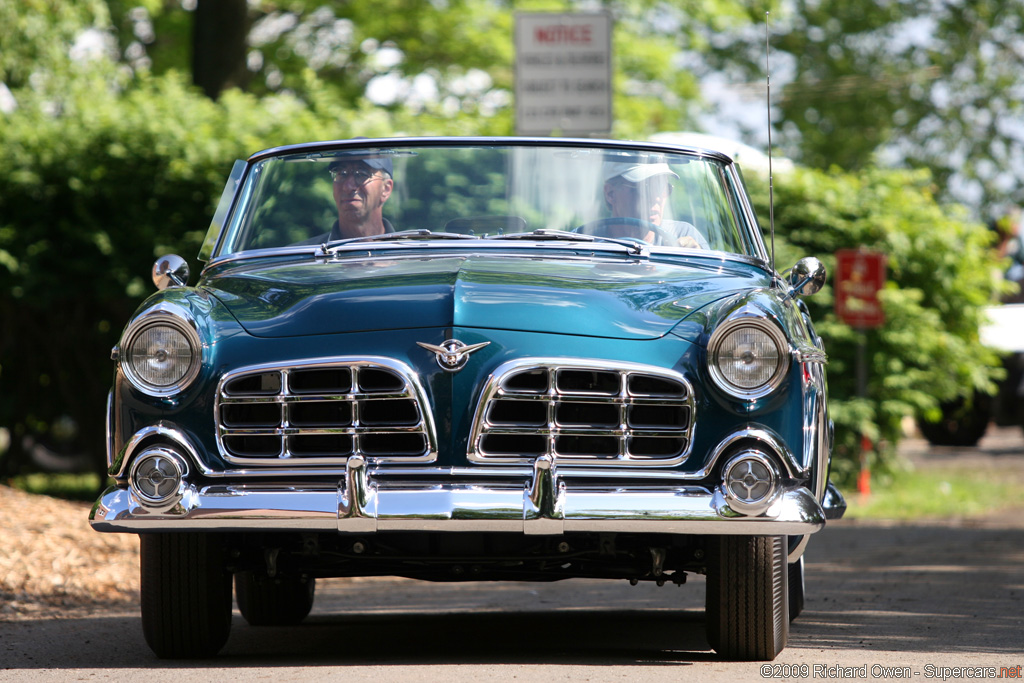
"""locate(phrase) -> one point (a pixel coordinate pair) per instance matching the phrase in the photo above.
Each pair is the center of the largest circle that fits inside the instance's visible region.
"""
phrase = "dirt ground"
(52, 563)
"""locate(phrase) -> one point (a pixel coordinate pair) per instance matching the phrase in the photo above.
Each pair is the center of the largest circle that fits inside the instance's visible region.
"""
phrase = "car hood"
(634, 299)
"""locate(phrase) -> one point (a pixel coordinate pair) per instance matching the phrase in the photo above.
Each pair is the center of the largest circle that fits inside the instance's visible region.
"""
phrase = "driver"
(635, 190)
(361, 186)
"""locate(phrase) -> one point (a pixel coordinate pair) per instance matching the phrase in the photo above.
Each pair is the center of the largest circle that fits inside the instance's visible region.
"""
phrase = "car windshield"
(422, 192)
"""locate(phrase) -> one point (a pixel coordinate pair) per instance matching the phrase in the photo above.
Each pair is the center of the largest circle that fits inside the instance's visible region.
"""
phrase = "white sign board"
(563, 73)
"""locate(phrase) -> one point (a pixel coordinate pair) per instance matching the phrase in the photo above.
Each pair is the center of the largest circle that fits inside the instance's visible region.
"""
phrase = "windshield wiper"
(332, 247)
(634, 246)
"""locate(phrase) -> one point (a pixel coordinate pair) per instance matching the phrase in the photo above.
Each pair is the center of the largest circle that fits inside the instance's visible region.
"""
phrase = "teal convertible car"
(472, 359)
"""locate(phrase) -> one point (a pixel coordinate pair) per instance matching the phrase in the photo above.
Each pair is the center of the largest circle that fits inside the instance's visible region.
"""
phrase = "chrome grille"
(320, 413)
(583, 412)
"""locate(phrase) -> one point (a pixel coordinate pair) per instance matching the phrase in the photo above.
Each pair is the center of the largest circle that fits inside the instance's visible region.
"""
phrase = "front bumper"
(546, 505)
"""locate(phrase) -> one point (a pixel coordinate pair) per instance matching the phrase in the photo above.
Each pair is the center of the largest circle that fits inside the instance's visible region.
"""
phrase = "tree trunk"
(218, 45)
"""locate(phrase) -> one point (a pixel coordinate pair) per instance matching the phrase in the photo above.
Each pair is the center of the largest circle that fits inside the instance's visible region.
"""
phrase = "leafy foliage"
(38, 35)
(932, 85)
(91, 197)
(435, 57)
(941, 273)
(112, 161)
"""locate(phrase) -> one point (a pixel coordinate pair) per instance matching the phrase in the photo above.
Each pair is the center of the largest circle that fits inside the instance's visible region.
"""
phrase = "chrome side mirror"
(807, 277)
(170, 271)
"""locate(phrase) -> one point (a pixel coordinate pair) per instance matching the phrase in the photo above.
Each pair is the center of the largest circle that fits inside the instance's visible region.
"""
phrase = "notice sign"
(563, 73)
(860, 275)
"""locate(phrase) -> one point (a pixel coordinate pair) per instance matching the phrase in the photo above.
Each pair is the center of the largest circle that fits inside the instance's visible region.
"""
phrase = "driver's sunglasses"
(654, 187)
(359, 176)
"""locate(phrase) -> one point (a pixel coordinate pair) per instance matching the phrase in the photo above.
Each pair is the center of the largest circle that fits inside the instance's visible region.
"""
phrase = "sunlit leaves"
(942, 272)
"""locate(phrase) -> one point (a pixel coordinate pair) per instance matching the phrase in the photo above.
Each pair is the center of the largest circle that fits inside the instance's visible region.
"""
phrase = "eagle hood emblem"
(452, 355)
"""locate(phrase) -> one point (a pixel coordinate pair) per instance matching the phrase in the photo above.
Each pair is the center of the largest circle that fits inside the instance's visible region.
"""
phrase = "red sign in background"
(860, 274)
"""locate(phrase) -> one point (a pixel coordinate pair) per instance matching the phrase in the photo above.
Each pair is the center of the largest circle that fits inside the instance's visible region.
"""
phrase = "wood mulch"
(52, 563)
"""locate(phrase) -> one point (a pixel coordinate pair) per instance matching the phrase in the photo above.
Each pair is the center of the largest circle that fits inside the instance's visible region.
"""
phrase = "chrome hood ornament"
(452, 355)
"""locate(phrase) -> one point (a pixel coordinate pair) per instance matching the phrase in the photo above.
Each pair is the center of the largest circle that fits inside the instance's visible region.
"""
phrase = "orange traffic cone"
(864, 478)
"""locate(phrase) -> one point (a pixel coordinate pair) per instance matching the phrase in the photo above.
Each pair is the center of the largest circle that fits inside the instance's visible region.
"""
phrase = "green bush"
(101, 179)
(97, 183)
(941, 273)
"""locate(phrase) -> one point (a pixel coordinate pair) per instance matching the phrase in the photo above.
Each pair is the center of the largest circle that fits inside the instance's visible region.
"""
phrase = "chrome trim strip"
(817, 447)
(768, 440)
(549, 507)
(109, 430)
(811, 418)
(166, 433)
(622, 399)
(810, 355)
(411, 389)
(470, 141)
(742, 197)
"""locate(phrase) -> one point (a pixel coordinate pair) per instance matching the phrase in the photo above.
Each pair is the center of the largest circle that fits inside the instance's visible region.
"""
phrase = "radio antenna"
(768, 99)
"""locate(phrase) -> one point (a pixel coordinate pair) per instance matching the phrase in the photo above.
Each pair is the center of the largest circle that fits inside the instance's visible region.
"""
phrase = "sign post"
(860, 276)
(563, 73)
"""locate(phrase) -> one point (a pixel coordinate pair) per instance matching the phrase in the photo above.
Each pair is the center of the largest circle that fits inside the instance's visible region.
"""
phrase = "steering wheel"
(639, 227)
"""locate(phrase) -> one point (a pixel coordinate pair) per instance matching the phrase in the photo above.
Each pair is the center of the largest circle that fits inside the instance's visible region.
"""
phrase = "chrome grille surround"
(583, 412)
(321, 412)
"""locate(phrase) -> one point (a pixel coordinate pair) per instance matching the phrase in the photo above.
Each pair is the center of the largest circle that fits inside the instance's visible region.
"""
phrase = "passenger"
(636, 190)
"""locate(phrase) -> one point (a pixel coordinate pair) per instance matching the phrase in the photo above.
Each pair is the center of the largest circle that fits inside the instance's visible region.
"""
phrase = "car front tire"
(279, 601)
(186, 594)
(747, 603)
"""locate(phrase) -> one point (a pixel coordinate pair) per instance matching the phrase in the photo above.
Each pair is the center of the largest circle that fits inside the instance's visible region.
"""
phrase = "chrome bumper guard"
(548, 505)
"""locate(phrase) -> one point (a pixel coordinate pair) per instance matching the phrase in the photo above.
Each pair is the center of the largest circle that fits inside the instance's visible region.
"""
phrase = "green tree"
(107, 168)
(38, 36)
(421, 55)
(905, 84)
(942, 273)
(91, 196)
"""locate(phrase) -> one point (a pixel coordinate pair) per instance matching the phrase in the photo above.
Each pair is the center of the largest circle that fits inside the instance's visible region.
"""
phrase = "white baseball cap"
(634, 172)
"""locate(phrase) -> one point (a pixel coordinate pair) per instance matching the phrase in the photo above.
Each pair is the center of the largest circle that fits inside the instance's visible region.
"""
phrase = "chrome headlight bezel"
(181, 322)
(155, 469)
(750, 469)
(723, 332)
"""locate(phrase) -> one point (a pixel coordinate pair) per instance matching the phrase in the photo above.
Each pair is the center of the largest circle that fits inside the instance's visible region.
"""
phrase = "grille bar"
(322, 412)
(583, 412)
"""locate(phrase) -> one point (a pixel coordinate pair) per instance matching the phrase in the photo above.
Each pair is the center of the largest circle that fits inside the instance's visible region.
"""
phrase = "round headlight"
(161, 356)
(748, 358)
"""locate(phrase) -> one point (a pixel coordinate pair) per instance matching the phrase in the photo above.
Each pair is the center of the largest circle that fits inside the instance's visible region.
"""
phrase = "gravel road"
(931, 601)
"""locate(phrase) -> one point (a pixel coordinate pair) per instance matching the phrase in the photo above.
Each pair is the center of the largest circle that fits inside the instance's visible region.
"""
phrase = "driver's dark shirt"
(335, 234)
